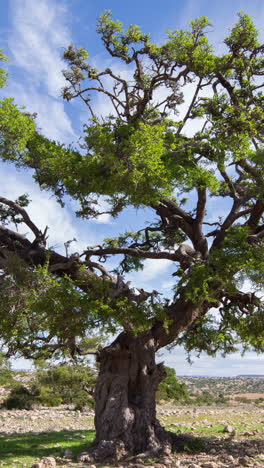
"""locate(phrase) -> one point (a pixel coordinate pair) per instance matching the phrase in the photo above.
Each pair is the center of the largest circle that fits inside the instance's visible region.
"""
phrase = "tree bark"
(125, 418)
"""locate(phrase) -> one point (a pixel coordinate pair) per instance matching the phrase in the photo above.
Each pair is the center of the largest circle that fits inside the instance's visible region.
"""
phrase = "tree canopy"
(143, 155)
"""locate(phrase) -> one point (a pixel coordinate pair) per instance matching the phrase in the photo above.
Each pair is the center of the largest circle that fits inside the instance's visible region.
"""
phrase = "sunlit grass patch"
(19, 449)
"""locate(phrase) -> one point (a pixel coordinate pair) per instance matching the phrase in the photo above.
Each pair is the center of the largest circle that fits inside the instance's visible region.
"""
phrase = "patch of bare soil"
(249, 396)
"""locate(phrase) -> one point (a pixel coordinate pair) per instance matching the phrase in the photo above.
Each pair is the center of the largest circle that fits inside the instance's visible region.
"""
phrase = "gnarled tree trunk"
(125, 418)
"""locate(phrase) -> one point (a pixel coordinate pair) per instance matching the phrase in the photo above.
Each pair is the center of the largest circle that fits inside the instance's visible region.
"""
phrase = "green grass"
(25, 449)
(214, 430)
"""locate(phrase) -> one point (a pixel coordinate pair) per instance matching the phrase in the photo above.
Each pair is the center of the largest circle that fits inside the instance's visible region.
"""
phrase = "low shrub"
(171, 389)
(61, 384)
(21, 397)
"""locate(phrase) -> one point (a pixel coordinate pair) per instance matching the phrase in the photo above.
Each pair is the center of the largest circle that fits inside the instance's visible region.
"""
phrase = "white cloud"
(45, 211)
(234, 364)
(153, 268)
(37, 41)
(152, 274)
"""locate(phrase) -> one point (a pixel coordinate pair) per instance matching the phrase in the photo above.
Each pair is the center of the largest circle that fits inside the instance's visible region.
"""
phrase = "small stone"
(84, 457)
(245, 461)
(177, 464)
(68, 453)
(48, 462)
(37, 465)
(229, 429)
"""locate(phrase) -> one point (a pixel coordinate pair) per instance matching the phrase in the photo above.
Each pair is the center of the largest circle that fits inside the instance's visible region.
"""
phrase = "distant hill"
(247, 376)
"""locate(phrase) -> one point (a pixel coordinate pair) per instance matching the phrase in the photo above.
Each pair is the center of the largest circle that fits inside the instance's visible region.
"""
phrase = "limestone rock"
(68, 453)
(229, 429)
(85, 457)
(244, 461)
(48, 462)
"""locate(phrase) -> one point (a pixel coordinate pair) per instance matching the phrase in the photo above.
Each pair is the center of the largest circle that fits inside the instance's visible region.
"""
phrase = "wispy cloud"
(36, 39)
(153, 272)
(45, 211)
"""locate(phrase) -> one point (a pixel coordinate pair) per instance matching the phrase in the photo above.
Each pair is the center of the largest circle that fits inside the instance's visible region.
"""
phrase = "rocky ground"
(225, 437)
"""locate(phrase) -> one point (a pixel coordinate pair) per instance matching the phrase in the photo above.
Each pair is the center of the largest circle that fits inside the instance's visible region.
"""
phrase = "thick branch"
(133, 252)
(256, 214)
(230, 219)
(19, 210)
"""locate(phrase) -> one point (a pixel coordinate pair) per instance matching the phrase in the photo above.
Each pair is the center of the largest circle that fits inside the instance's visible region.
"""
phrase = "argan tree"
(185, 127)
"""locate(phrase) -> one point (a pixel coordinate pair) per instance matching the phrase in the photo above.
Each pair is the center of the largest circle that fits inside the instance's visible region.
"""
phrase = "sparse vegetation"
(224, 389)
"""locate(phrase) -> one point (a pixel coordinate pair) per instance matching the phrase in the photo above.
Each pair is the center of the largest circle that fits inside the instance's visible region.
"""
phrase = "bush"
(6, 375)
(69, 383)
(208, 399)
(171, 389)
(21, 397)
(62, 384)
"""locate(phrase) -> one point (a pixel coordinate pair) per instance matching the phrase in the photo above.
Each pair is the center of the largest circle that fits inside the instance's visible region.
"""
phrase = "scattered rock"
(48, 462)
(84, 457)
(244, 461)
(176, 464)
(68, 453)
(229, 429)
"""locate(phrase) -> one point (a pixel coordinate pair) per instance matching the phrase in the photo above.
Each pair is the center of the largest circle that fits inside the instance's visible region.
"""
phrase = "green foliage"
(3, 74)
(22, 397)
(191, 48)
(53, 386)
(7, 214)
(206, 398)
(16, 126)
(118, 41)
(171, 389)
(44, 310)
(67, 383)
(6, 376)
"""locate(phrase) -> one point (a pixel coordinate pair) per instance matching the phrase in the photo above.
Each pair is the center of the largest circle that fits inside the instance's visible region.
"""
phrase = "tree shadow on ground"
(44, 444)
(194, 444)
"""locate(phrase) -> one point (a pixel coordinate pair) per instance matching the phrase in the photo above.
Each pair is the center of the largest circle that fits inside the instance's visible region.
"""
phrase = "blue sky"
(34, 34)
